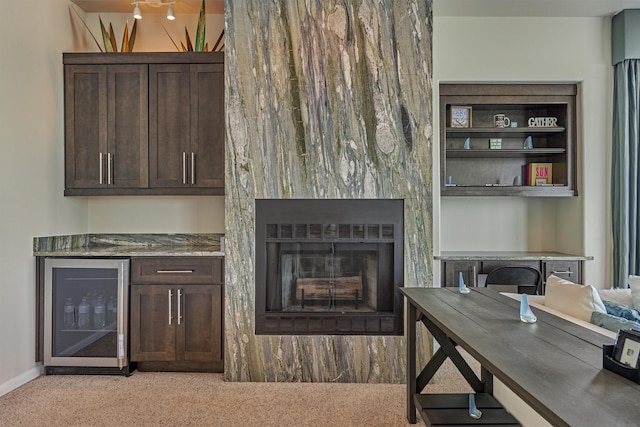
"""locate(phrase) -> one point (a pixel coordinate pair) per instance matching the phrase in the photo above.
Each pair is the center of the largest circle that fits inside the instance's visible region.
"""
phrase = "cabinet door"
(207, 126)
(127, 126)
(106, 127)
(153, 323)
(85, 125)
(469, 270)
(169, 125)
(199, 335)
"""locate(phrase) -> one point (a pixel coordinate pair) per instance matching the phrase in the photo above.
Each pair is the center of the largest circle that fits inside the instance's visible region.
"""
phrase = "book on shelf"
(539, 174)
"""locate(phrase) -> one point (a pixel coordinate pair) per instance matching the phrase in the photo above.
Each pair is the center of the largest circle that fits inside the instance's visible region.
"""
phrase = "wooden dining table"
(553, 365)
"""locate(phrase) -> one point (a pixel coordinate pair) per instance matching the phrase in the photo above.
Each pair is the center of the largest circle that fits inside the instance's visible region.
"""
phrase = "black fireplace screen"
(329, 266)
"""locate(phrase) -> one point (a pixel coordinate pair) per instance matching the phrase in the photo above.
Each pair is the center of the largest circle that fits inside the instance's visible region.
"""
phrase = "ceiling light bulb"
(136, 12)
(170, 15)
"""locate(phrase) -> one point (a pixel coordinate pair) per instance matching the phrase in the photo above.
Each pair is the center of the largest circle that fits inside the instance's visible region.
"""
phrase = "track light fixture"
(136, 12)
(155, 3)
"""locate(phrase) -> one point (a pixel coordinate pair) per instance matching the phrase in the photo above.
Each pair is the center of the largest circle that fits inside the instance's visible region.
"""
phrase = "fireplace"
(329, 267)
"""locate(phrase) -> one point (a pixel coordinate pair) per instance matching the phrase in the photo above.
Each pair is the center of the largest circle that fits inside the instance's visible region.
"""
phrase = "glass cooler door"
(85, 318)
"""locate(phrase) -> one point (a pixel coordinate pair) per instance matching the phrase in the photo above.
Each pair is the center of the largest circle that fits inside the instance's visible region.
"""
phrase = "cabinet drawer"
(487, 266)
(177, 270)
(569, 270)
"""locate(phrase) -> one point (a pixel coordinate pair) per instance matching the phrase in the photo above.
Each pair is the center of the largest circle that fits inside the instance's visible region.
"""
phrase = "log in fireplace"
(329, 266)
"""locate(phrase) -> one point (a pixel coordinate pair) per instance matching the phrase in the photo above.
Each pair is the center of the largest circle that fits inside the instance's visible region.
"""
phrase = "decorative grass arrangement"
(109, 38)
(200, 44)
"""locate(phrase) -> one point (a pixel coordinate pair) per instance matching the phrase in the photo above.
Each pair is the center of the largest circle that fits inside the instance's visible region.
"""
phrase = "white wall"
(536, 50)
(34, 35)
(157, 214)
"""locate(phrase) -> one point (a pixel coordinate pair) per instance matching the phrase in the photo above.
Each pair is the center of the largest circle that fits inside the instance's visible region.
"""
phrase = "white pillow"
(634, 284)
(619, 295)
(573, 299)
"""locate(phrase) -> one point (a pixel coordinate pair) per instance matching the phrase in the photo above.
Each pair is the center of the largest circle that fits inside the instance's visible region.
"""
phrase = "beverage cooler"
(85, 316)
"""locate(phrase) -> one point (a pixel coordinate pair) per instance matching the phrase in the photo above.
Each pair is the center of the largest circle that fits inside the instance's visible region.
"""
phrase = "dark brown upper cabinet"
(144, 123)
(186, 115)
(106, 126)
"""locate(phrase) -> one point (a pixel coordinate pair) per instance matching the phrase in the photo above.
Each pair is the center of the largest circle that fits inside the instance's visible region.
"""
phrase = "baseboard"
(22, 379)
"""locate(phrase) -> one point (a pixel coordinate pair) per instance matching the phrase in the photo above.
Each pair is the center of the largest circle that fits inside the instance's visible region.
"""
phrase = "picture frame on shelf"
(627, 348)
(460, 116)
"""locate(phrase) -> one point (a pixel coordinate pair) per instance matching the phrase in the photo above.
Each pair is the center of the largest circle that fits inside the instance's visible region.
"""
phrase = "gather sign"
(542, 122)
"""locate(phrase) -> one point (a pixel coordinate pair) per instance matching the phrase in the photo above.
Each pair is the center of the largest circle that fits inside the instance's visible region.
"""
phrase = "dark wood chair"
(522, 279)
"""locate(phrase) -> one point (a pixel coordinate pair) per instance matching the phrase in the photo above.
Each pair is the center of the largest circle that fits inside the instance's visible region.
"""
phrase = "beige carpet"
(195, 399)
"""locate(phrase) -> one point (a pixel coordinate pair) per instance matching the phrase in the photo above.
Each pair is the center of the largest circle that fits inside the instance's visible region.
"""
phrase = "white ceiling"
(560, 8)
(126, 6)
(548, 8)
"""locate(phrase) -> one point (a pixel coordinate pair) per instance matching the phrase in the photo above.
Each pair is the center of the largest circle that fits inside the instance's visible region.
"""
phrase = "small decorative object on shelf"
(450, 181)
(514, 124)
(501, 121)
(517, 181)
(495, 143)
(461, 286)
(539, 174)
(528, 143)
(467, 143)
(460, 116)
(542, 122)
(526, 315)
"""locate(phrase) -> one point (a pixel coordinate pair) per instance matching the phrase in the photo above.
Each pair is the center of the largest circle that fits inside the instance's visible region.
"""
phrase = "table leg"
(411, 362)
(449, 348)
(487, 380)
(430, 369)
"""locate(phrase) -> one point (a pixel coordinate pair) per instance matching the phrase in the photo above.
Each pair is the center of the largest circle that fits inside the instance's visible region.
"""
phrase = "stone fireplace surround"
(324, 100)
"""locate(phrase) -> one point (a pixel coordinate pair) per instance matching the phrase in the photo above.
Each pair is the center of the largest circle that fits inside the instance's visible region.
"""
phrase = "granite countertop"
(509, 255)
(129, 245)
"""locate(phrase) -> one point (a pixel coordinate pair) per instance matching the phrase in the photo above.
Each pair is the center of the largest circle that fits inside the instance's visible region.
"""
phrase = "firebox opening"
(319, 272)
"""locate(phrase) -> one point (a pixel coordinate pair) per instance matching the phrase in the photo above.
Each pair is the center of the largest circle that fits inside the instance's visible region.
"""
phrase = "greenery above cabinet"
(144, 123)
(482, 159)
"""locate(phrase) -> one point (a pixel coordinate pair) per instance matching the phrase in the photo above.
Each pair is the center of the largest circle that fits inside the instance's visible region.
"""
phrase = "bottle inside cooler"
(69, 320)
(99, 308)
(83, 314)
(111, 310)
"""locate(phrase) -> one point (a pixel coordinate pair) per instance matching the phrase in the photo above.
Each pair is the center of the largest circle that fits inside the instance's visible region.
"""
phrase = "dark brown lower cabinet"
(176, 327)
(471, 267)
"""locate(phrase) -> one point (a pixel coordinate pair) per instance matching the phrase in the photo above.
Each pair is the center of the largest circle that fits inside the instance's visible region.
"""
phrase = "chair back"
(526, 279)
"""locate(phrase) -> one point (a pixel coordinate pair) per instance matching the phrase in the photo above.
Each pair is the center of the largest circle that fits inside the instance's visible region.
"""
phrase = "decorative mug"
(501, 121)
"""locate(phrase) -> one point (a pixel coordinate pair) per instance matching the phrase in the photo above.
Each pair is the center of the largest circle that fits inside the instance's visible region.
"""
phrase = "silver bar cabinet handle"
(562, 272)
(100, 169)
(193, 168)
(184, 167)
(109, 166)
(174, 271)
(170, 304)
(179, 306)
